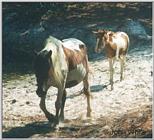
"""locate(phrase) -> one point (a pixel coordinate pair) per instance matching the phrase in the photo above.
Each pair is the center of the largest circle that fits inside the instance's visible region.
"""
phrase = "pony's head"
(42, 64)
(101, 36)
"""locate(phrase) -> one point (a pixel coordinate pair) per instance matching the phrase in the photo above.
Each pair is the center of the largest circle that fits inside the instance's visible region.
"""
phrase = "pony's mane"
(53, 40)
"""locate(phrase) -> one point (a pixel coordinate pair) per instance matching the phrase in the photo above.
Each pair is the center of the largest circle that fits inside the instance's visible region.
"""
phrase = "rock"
(133, 28)
(151, 73)
(13, 101)
(27, 102)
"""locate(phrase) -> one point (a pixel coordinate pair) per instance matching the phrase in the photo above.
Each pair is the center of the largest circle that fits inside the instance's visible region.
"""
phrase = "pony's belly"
(75, 76)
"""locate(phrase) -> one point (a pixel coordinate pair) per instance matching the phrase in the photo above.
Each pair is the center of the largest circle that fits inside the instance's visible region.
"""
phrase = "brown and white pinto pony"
(61, 64)
(116, 46)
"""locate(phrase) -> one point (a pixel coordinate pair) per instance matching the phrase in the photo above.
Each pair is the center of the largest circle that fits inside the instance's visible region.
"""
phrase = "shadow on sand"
(96, 88)
(28, 130)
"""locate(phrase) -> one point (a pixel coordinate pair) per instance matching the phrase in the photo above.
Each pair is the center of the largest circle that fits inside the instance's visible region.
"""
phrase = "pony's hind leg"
(61, 116)
(122, 63)
(111, 61)
(48, 115)
(87, 93)
(117, 53)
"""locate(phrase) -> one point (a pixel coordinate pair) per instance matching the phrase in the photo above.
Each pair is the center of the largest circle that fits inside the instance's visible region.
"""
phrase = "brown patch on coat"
(75, 57)
(110, 38)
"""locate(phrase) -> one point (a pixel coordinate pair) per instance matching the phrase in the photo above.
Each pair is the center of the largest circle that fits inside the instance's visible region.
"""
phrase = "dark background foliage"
(25, 26)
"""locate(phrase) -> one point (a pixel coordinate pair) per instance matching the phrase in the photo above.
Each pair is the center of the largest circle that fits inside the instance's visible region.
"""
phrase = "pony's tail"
(128, 44)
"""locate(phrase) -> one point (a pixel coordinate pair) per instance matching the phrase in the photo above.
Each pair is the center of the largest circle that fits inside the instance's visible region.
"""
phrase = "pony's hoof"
(56, 120)
(121, 78)
(112, 88)
(51, 118)
(53, 121)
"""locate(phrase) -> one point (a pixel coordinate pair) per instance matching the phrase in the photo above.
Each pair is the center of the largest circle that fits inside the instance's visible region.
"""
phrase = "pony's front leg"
(122, 64)
(61, 97)
(117, 53)
(58, 103)
(48, 115)
(61, 117)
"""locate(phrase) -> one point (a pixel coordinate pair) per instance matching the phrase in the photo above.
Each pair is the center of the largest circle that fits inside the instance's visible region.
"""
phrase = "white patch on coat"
(72, 44)
(124, 35)
(120, 41)
(77, 74)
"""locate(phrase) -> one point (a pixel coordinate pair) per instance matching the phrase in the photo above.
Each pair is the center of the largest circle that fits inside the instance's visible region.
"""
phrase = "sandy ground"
(111, 110)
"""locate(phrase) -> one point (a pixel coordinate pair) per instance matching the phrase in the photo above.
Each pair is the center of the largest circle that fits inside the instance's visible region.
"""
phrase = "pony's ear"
(105, 31)
(95, 32)
(49, 53)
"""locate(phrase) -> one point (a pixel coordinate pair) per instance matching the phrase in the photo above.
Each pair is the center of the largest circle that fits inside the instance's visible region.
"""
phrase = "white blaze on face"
(97, 47)
(103, 43)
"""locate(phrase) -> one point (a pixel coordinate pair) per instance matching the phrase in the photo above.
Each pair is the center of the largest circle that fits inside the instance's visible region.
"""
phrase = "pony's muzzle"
(95, 50)
(98, 50)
